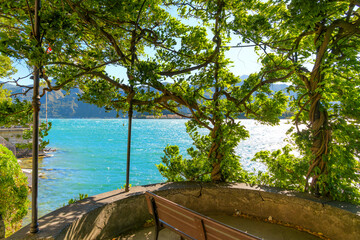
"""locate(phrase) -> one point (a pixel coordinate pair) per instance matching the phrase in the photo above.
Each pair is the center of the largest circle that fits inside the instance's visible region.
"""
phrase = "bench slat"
(190, 224)
(175, 221)
(179, 217)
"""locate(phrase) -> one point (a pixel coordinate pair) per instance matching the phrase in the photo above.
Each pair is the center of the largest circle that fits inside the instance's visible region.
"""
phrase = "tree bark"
(215, 156)
(320, 140)
(318, 116)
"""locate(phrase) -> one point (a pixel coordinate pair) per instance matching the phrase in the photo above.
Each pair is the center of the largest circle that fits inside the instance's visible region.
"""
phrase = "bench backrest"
(190, 224)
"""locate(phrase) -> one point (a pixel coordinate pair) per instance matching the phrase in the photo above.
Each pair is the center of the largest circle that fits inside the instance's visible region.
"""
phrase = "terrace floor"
(264, 230)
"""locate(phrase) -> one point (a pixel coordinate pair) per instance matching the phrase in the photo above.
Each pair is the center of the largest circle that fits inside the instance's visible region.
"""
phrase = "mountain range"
(66, 105)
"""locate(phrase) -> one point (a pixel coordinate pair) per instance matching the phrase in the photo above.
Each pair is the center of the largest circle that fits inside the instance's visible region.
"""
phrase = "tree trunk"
(318, 117)
(321, 138)
(215, 156)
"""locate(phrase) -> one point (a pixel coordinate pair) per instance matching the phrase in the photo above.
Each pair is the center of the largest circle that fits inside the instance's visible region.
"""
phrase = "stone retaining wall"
(107, 215)
(14, 135)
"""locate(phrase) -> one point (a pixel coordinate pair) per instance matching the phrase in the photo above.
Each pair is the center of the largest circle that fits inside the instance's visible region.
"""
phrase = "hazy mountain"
(63, 105)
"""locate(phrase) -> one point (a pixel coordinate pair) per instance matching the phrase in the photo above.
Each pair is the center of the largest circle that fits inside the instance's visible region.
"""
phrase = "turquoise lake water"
(90, 156)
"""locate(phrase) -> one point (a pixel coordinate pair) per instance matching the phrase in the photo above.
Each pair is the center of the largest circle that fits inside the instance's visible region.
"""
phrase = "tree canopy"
(319, 42)
(12, 112)
(171, 56)
(185, 68)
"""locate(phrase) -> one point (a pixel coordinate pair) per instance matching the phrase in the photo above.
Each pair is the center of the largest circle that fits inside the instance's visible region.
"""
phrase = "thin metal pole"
(130, 114)
(46, 109)
(34, 227)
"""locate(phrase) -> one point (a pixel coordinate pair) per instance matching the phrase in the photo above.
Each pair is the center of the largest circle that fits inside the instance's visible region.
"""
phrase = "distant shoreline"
(149, 118)
(27, 170)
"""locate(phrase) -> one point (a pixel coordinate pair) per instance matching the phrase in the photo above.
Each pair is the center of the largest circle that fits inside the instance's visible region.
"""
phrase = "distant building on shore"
(12, 137)
(14, 134)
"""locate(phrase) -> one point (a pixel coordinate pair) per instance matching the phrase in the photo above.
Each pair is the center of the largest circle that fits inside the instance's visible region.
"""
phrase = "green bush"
(74, 200)
(14, 190)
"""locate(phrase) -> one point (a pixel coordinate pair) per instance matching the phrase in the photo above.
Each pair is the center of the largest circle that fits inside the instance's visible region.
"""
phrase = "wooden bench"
(189, 224)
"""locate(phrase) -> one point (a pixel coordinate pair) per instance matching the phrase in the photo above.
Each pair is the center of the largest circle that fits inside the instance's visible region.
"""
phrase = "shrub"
(14, 190)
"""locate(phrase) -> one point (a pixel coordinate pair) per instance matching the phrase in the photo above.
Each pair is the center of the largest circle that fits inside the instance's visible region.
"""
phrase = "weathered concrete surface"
(110, 214)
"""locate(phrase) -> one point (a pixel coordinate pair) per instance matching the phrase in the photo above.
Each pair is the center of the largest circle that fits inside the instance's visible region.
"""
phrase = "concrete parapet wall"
(107, 215)
(13, 135)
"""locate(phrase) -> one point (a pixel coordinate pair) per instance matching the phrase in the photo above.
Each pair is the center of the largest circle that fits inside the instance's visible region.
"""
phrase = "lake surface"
(90, 155)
